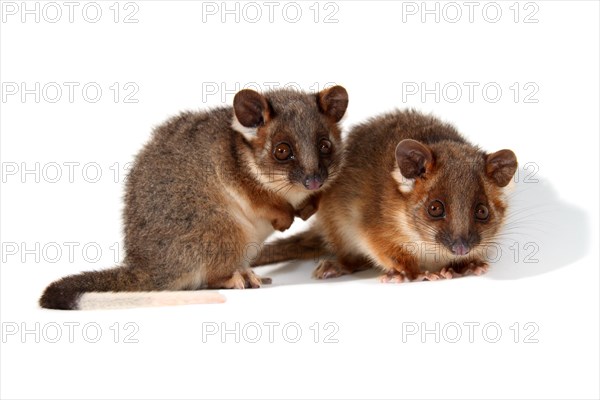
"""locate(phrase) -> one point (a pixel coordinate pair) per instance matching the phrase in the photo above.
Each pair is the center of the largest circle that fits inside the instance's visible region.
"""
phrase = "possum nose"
(460, 247)
(313, 182)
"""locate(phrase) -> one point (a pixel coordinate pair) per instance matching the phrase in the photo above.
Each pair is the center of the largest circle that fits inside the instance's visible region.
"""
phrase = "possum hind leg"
(221, 255)
(221, 265)
(341, 266)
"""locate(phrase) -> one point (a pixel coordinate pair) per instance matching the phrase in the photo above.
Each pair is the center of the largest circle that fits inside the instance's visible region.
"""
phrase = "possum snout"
(460, 247)
(313, 182)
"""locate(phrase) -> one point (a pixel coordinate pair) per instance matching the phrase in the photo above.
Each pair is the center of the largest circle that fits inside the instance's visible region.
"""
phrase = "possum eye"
(481, 212)
(436, 209)
(325, 146)
(283, 152)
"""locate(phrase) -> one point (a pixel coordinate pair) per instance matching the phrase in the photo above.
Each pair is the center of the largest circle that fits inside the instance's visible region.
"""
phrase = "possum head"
(295, 138)
(455, 194)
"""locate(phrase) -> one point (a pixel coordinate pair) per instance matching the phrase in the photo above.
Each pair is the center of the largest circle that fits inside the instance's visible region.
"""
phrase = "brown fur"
(303, 246)
(368, 218)
(201, 193)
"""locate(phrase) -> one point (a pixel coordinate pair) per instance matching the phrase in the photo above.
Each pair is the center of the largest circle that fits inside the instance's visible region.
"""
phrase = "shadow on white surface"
(543, 233)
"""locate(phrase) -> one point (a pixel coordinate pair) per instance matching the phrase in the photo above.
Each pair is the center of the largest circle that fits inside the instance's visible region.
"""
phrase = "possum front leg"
(403, 267)
(280, 213)
(308, 207)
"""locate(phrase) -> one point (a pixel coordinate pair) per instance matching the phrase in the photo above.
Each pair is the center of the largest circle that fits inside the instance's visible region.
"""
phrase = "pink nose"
(460, 248)
(313, 183)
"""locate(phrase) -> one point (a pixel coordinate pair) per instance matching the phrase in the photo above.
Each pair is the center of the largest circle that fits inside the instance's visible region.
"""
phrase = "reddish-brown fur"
(396, 165)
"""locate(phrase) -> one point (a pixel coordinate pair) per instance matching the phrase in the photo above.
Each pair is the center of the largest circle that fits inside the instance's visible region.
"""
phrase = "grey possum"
(205, 190)
(414, 198)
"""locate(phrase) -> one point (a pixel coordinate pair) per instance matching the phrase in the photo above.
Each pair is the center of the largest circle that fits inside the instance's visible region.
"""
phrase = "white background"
(174, 56)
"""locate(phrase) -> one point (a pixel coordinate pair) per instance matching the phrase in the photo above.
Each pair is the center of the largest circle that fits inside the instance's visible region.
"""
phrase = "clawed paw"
(308, 208)
(282, 223)
(472, 268)
(245, 279)
(393, 277)
(476, 269)
(444, 273)
(328, 269)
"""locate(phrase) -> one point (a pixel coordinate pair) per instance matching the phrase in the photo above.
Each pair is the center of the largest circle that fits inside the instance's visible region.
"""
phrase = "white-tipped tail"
(116, 300)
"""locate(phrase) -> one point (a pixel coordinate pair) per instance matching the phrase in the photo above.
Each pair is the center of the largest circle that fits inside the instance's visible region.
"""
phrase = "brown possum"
(413, 198)
(206, 191)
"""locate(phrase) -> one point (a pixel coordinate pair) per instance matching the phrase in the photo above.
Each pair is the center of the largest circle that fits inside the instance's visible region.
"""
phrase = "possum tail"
(302, 246)
(120, 287)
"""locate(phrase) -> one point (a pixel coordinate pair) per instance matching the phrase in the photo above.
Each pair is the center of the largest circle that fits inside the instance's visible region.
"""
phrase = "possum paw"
(245, 278)
(330, 269)
(474, 267)
(282, 218)
(444, 273)
(336, 268)
(393, 277)
(308, 207)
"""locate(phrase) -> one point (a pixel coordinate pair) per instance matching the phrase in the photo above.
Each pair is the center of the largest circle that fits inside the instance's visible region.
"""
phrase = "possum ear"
(413, 158)
(251, 108)
(501, 166)
(333, 102)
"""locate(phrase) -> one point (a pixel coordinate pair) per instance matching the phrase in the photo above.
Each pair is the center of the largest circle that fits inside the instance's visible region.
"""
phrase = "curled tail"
(120, 287)
(302, 246)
